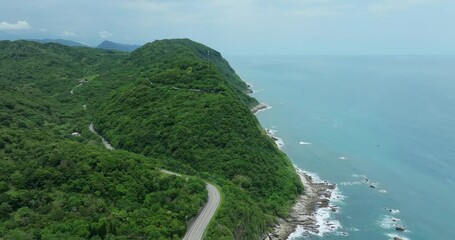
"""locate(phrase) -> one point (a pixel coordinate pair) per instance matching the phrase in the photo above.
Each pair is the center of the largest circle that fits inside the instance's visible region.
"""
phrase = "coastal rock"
(260, 107)
(400, 228)
(315, 196)
(397, 238)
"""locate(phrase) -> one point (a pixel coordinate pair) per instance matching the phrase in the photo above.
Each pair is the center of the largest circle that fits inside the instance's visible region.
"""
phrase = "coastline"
(311, 213)
(260, 107)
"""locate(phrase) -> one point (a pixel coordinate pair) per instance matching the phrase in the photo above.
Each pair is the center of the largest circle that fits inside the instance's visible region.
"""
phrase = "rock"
(372, 186)
(400, 228)
(325, 194)
(397, 238)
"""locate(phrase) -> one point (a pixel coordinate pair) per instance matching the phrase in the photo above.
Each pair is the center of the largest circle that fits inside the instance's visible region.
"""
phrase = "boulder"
(400, 228)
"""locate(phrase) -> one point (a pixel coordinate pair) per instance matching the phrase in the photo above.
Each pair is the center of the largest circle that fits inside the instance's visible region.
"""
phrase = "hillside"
(108, 45)
(173, 104)
(57, 186)
(60, 41)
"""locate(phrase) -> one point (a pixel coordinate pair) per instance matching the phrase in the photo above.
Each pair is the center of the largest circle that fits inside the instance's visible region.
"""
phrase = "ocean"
(381, 127)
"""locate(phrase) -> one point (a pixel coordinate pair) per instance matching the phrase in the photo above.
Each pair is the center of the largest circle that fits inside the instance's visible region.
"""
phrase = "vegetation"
(172, 103)
(57, 186)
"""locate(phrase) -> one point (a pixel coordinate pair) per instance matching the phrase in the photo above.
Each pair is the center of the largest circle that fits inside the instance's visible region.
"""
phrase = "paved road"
(106, 144)
(198, 226)
(196, 230)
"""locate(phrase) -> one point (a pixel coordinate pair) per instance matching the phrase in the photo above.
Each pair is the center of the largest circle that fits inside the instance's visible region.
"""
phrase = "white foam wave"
(267, 107)
(337, 196)
(389, 222)
(393, 211)
(353, 229)
(342, 158)
(314, 176)
(323, 216)
(278, 141)
(325, 223)
(299, 232)
(304, 143)
(359, 175)
(383, 191)
(351, 183)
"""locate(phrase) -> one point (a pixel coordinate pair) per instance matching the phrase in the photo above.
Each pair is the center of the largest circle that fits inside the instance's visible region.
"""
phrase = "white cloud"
(398, 5)
(105, 34)
(67, 33)
(19, 25)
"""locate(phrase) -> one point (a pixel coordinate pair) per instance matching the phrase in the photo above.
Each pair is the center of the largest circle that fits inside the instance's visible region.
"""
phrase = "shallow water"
(388, 118)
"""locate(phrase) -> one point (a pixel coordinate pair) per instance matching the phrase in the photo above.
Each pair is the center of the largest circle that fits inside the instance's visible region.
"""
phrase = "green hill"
(175, 104)
(108, 45)
(60, 41)
(57, 186)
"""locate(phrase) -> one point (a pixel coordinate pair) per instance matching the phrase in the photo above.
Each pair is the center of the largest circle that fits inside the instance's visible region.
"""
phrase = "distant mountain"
(60, 41)
(108, 45)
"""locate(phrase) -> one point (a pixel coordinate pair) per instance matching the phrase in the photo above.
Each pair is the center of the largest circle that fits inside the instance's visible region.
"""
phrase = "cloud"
(67, 33)
(19, 25)
(105, 34)
(398, 5)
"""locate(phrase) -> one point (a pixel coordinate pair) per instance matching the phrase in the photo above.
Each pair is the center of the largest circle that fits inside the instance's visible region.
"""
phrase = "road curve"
(199, 225)
(197, 229)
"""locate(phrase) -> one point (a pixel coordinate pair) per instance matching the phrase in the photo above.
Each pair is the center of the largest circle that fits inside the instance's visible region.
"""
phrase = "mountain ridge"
(109, 45)
(60, 41)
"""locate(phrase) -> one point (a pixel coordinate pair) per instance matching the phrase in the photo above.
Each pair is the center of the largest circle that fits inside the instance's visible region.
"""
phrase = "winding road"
(199, 225)
(197, 228)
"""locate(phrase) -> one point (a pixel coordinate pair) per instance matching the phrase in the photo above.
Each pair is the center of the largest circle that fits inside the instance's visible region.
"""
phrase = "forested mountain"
(108, 45)
(173, 104)
(60, 41)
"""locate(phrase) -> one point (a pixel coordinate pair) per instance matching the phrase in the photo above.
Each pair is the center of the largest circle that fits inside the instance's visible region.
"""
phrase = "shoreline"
(260, 107)
(311, 213)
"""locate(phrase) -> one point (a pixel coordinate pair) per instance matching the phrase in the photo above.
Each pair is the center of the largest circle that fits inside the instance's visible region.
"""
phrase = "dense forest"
(173, 104)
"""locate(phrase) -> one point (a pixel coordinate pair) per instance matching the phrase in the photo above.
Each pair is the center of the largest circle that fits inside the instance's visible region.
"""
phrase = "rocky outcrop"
(315, 196)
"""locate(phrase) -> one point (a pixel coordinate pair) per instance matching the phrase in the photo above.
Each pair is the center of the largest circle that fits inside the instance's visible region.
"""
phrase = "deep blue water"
(390, 118)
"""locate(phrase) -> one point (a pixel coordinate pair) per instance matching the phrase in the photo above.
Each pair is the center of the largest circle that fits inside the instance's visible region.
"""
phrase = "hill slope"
(60, 41)
(57, 186)
(172, 103)
(171, 100)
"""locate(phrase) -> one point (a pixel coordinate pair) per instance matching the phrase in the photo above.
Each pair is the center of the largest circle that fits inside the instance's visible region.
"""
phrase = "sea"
(380, 127)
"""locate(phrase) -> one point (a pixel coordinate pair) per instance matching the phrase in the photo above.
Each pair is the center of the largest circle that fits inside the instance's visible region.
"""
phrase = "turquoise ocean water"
(388, 118)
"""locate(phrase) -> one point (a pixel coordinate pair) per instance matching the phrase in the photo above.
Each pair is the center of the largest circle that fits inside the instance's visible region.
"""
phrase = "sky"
(243, 26)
